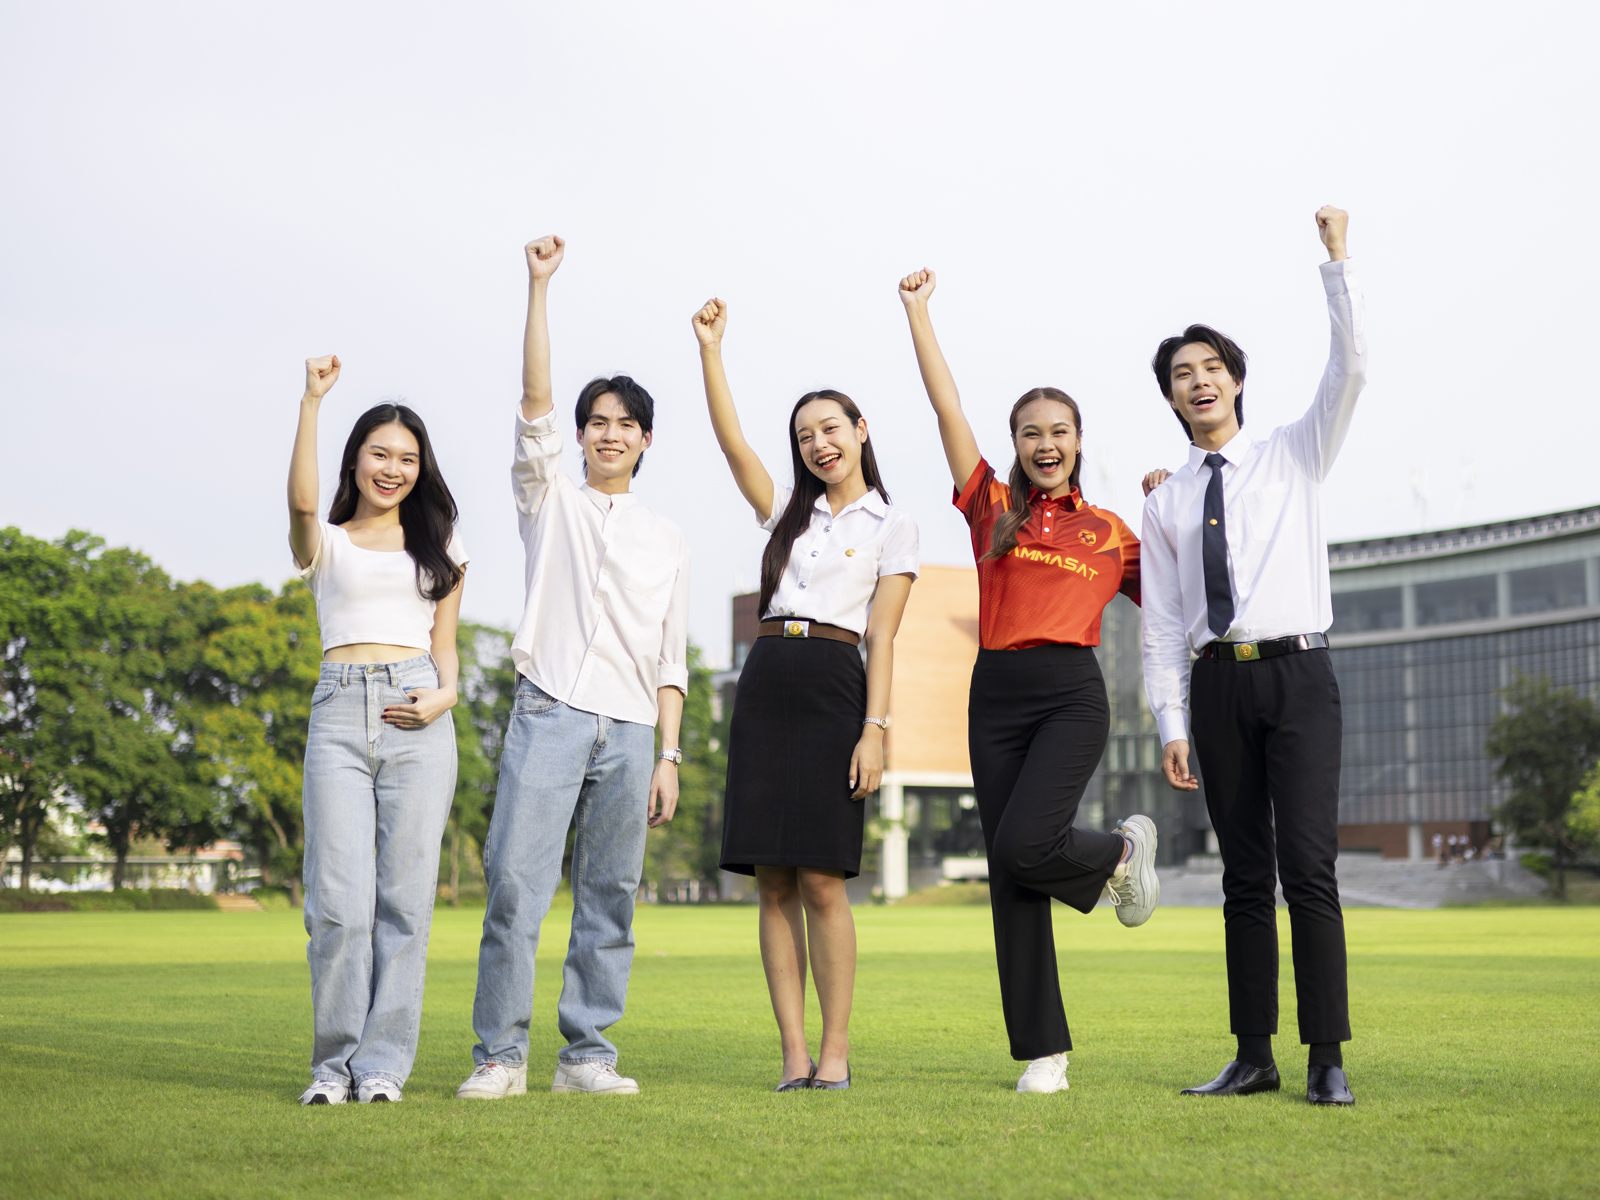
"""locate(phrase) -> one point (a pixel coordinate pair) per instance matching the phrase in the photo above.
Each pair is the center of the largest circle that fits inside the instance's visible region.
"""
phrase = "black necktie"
(1214, 553)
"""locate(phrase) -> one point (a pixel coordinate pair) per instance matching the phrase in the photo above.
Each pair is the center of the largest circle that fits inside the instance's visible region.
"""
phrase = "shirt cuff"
(1173, 726)
(898, 566)
(538, 427)
(673, 675)
(1337, 276)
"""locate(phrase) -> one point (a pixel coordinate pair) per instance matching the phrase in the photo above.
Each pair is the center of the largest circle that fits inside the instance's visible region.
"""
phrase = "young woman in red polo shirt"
(1037, 717)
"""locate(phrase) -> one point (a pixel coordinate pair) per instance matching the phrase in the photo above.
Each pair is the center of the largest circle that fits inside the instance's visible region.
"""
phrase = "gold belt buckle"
(1246, 651)
(796, 629)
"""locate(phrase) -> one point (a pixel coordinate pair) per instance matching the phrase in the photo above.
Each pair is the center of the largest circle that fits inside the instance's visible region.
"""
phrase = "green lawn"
(156, 1053)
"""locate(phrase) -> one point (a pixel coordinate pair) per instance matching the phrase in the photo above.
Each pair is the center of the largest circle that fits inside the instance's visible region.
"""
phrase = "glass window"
(1545, 588)
(1357, 612)
(1456, 600)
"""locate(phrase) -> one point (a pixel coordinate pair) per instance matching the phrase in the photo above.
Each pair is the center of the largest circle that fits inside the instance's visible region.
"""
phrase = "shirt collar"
(1074, 499)
(606, 502)
(1233, 452)
(870, 501)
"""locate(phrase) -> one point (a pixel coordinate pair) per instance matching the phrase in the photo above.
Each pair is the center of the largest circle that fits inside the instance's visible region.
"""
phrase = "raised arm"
(1315, 439)
(754, 483)
(305, 530)
(544, 256)
(960, 447)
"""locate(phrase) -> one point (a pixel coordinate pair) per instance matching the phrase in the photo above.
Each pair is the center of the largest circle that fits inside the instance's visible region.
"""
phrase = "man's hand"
(663, 792)
(1155, 479)
(1175, 766)
(321, 374)
(866, 764)
(544, 256)
(1331, 224)
(710, 323)
(916, 287)
(427, 706)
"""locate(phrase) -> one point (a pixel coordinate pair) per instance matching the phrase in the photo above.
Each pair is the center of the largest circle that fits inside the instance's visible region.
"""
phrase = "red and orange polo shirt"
(1070, 560)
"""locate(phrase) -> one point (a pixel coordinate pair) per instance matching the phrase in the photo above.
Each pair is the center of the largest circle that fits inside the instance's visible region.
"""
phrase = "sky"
(199, 197)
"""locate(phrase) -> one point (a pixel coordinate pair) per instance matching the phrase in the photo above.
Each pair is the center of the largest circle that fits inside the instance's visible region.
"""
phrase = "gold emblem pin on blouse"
(849, 553)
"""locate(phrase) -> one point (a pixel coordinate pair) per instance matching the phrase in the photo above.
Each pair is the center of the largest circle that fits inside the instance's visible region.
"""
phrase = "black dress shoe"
(1238, 1079)
(799, 1083)
(1327, 1085)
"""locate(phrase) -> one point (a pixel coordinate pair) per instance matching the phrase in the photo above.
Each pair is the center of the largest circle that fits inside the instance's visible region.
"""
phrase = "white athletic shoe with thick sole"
(1134, 887)
(598, 1078)
(495, 1081)
(379, 1091)
(323, 1091)
(1045, 1075)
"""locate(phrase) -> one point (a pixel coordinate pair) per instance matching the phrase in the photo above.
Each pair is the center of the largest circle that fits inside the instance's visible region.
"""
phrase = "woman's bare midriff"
(371, 652)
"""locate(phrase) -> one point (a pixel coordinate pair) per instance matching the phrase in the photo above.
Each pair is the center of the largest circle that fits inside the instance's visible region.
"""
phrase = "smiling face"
(612, 441)
(830, 442)
(1047, 444)
(1203, 393)
(386, 467)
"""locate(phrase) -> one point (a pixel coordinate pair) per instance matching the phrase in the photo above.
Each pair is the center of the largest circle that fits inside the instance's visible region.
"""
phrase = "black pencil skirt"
(796, 722)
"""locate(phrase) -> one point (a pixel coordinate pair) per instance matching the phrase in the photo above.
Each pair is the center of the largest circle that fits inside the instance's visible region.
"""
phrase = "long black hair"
(1005, 529)
(427, 514)
(796, 518)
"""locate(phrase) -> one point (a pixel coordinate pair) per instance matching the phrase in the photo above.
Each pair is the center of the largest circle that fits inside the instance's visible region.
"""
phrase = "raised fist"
(1331, 224)
(711, 322)
(321, 374)
(544, 256)
(917, 287)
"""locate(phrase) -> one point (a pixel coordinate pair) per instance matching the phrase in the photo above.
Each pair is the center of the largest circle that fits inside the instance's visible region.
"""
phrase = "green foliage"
(487, 688)
(687, 847)
(119, 900)
(1583, 819)
(1547, 740)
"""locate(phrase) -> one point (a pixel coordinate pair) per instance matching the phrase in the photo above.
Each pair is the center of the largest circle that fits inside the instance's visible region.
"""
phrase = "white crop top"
(370, 595)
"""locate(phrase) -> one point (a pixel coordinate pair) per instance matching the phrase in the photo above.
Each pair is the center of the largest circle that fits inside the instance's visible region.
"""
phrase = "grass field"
(160, 1054)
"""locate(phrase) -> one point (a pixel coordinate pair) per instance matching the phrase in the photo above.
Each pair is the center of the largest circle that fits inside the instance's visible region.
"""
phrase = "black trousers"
(1268, 735)
(1037, 721)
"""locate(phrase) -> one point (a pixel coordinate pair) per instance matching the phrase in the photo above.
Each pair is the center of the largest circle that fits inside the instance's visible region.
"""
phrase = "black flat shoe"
(798, 1084)
(1238, 1079)
(1327, 1085)
(833, 1085)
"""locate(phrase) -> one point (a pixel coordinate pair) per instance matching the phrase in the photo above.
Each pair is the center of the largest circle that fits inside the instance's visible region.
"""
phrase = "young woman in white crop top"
(805, 746)
(386, 569)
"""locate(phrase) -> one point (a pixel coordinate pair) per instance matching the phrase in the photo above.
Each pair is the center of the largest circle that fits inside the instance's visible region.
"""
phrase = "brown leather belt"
(1252, 651)
(794, 627)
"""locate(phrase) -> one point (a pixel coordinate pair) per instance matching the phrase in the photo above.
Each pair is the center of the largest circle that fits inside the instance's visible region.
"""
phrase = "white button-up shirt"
(607, 616)
(1272, 513)
(835, 565)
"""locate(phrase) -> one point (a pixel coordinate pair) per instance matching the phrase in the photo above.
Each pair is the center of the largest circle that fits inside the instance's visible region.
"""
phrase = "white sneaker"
(323, 1091)
(601, 1078)
(1134, 888)
(495, 1081)
(1045, 1075)
(379, 1090)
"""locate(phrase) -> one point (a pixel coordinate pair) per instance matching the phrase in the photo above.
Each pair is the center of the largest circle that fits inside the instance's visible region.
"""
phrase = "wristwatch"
(881, 722)
(675, 757)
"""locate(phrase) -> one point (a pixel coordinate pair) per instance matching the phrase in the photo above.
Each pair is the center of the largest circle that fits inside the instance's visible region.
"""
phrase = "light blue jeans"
(376, 799)
(561, 764)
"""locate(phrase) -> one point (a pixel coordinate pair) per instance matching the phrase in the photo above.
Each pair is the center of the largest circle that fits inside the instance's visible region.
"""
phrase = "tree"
(487, 689)
(689, 846)
(1583, 821)
(1547, 739)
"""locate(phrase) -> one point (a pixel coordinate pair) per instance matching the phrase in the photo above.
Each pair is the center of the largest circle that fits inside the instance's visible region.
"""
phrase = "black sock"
(1326, 1054)
(1255, 1050)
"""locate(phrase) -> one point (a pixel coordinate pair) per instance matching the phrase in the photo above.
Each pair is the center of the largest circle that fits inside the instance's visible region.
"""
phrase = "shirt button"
(1047, 529)
(802, 583)
(813, 554)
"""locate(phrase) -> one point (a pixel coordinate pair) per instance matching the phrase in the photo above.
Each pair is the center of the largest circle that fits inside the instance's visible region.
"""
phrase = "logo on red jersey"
(1088, 537)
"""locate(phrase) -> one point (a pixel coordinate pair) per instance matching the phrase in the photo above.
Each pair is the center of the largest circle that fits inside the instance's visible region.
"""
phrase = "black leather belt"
(1251, 651)
(792, 627)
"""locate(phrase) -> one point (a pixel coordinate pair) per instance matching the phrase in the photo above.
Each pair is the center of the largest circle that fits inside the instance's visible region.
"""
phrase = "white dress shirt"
(835, 565)
(1272, 513)
(607, 614)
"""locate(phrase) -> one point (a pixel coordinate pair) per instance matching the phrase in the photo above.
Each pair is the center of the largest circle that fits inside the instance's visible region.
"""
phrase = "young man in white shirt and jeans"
(1235, 572)
(601, 654)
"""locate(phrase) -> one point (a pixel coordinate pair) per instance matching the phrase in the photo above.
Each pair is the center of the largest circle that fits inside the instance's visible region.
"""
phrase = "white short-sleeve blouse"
(835, 565)
(370, 596)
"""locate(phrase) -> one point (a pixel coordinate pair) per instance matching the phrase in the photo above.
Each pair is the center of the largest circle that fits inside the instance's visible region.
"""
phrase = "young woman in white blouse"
(806, 744)
(386, 569)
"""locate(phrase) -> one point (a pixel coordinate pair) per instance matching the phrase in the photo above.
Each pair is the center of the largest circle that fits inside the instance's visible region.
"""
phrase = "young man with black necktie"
(1235, 574)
